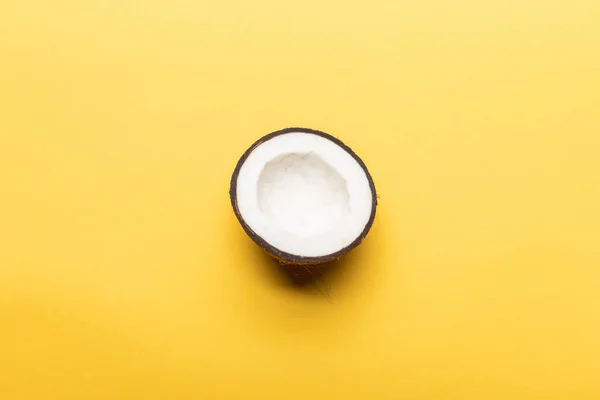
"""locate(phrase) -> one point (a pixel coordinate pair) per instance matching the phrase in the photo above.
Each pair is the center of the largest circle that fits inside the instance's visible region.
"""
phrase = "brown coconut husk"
(288, 260)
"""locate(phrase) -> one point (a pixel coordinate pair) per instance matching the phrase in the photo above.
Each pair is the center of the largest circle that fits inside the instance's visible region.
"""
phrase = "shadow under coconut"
(311, 279)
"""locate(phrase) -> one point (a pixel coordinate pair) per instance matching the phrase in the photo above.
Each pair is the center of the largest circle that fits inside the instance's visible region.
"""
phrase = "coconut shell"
(281, 256)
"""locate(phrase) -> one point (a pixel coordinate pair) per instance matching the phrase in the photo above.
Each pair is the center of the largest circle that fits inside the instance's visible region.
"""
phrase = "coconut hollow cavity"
(303, 196)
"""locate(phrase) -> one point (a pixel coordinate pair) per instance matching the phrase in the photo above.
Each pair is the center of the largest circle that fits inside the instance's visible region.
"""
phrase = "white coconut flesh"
(304, 194)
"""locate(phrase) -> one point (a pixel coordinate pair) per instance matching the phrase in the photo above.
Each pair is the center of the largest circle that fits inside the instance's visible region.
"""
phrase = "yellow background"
(125, 275)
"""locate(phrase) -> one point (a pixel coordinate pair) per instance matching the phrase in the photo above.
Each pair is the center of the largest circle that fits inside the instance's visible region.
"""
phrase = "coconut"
(303, 196)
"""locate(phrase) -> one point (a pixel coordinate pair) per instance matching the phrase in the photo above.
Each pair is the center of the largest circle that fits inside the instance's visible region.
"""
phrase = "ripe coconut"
(303, 196)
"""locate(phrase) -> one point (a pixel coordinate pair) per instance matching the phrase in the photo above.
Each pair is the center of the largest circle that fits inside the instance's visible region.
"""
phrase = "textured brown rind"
(282, 256)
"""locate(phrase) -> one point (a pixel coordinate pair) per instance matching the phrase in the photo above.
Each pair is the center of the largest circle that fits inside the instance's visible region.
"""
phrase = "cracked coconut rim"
(303, 196)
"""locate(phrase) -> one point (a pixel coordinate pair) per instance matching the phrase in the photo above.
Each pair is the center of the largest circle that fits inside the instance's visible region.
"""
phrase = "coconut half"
(303, 196)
